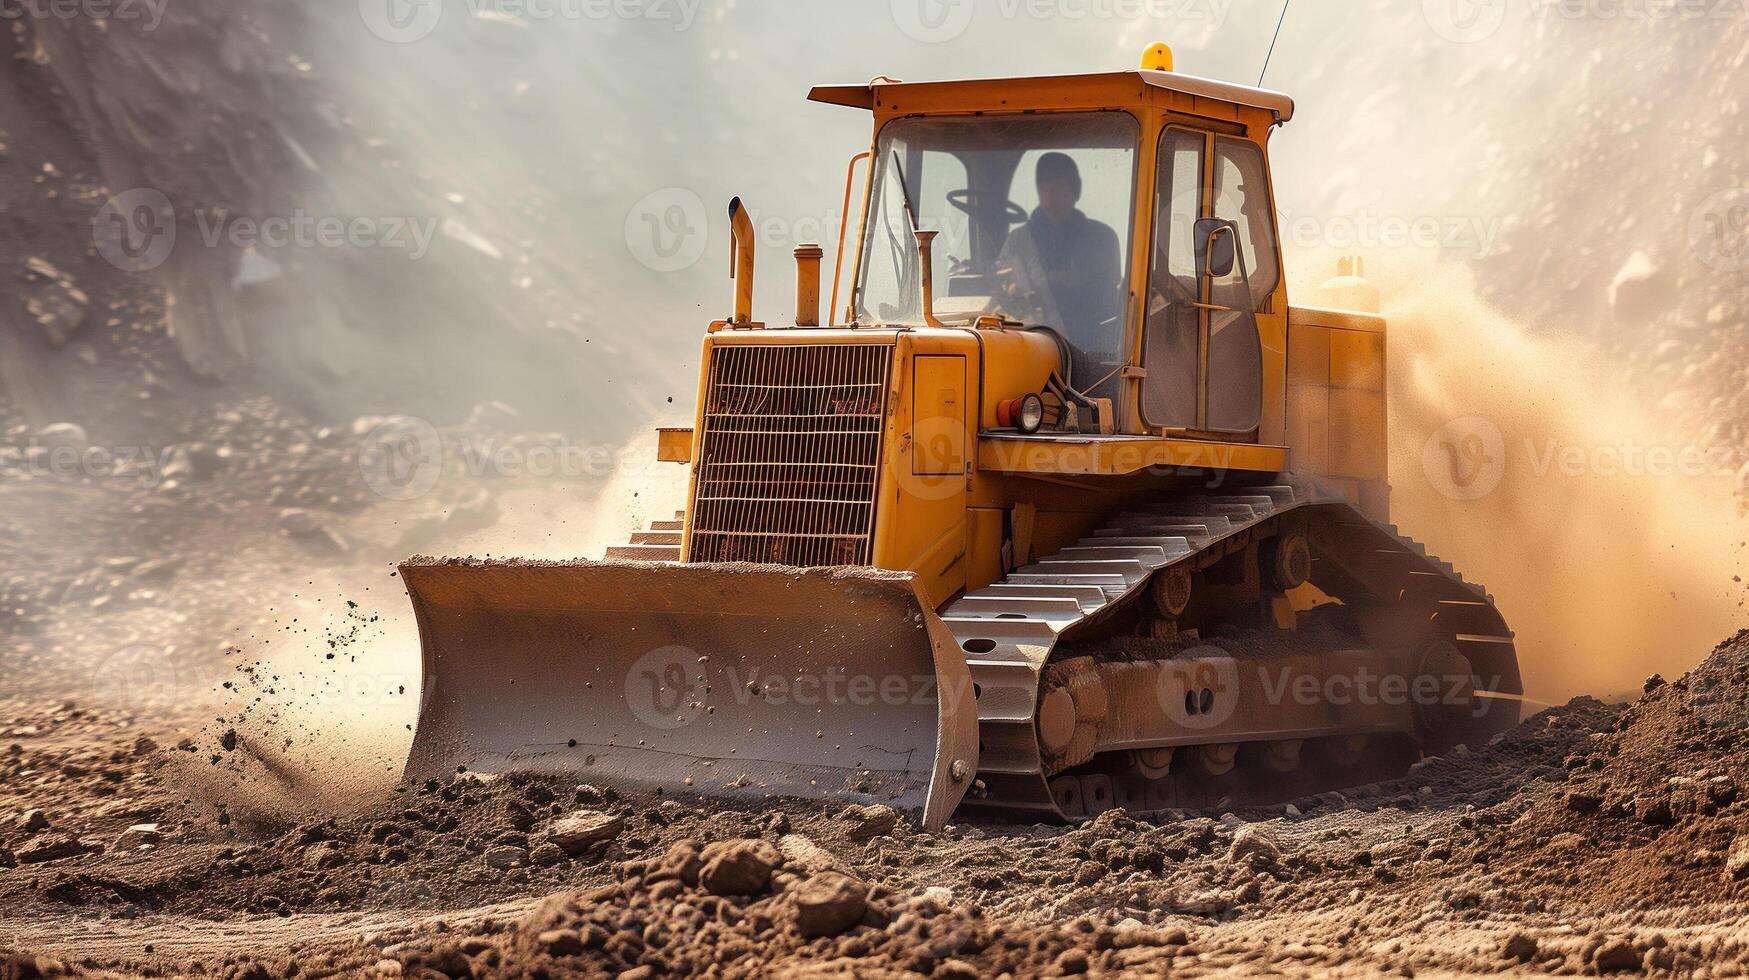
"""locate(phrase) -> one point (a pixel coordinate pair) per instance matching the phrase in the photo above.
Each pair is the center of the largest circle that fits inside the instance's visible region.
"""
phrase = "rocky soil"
(117, 856)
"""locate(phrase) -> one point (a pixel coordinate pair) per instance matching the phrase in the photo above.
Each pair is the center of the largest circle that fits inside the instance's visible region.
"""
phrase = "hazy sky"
(598, 142)
(622, 127)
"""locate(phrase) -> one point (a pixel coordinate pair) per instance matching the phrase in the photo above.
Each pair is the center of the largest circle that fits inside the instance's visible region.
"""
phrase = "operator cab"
(1129, 214)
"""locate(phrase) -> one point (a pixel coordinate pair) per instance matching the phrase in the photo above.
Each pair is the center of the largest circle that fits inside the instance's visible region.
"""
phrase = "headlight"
(1031, 414)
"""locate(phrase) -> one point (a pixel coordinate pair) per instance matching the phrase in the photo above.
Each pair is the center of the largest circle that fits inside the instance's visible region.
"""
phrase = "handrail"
(843, 227)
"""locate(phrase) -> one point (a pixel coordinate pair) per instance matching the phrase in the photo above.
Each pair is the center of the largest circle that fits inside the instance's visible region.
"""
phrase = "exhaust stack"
(741, 264)
(926, 257)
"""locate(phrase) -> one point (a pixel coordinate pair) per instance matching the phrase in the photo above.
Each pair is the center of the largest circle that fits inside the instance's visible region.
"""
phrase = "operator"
(1065, 265)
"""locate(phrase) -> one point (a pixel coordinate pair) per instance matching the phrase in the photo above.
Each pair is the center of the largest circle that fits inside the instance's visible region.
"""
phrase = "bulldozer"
(1065, 509)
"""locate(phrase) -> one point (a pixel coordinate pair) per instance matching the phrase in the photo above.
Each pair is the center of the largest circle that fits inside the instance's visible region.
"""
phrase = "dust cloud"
(324, 702)
(567, 518)
(1614, 546)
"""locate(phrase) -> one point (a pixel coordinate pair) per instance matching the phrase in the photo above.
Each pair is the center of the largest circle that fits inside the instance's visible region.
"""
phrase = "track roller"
(1283, 756)
(1172, 591)
(1153, 763)
(1217, 759)
(1347, 750)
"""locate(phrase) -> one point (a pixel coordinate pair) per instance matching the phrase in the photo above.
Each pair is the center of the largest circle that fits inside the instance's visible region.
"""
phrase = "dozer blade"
(719, 680)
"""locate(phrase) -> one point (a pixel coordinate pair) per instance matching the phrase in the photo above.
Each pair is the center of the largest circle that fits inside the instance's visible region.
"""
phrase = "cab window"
(1242, 196)
(1173, 327)
(1035, 214)
(1200, 341)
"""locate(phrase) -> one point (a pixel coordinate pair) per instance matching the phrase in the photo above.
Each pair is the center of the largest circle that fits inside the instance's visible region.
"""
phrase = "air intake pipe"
(808, 258)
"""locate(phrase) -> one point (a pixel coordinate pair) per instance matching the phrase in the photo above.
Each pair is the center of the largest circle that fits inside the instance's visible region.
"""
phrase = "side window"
(1202, 349)
(1242, 196)
(1173, 330)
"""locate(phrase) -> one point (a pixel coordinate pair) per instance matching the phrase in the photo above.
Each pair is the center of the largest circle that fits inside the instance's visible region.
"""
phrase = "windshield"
(1034, 214)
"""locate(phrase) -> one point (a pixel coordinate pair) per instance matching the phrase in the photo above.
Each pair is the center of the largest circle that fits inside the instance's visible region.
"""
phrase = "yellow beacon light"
(1158, 57)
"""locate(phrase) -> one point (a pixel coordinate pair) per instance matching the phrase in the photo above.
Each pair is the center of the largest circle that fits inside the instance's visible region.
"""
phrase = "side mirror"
(1216, 246)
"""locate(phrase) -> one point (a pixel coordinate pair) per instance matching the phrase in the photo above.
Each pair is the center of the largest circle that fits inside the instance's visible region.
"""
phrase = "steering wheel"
(972, 203)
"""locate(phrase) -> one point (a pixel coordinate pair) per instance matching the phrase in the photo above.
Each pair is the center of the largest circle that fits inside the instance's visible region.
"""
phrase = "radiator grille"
(790, 454)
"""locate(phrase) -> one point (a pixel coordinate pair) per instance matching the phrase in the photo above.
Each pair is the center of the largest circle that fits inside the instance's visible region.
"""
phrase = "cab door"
(1202, 347)
(1175, 322)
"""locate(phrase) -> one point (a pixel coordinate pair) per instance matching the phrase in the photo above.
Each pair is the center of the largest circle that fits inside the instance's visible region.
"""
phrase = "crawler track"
(1027, 639)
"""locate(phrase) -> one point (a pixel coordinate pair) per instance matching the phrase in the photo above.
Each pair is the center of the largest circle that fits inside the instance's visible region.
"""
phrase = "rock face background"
(1588, 167)
(200, 129)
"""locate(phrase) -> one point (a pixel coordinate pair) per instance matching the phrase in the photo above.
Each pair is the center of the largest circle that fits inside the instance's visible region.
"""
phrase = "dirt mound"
(1665, 785)
(745, 909)
(1470, 862)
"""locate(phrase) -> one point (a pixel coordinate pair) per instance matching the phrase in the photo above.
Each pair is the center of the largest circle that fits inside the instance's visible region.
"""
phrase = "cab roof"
(1038, 92)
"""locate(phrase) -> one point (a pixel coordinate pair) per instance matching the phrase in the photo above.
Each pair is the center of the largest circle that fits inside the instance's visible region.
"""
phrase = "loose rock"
(739, 867)
(1253, 843)
(506, 857)
(1617, 957)
(583, 829)
(829, 903)
(1519, 947)
(874, 820)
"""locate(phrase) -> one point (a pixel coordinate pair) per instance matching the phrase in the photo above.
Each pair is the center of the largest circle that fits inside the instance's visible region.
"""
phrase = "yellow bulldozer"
(1065, 509)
